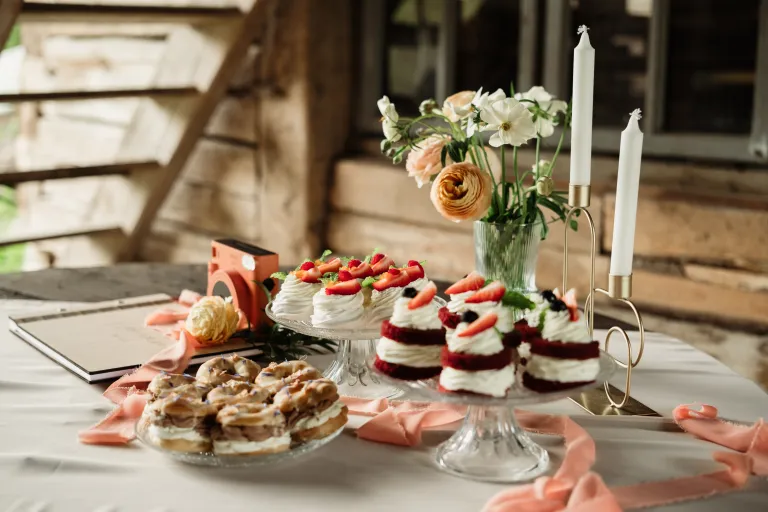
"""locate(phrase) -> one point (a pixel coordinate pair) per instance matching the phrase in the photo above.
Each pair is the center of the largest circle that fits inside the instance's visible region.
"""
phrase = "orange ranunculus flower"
(462, 192)
(424, 162)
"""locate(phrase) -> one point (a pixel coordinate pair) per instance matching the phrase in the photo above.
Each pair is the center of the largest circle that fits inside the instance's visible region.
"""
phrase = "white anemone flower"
(389, 120)
(547, 103)
(481, 101)
(511, 120)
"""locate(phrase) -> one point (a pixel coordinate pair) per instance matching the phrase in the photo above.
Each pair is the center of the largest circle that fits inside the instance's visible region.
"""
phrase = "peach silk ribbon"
(573, 487)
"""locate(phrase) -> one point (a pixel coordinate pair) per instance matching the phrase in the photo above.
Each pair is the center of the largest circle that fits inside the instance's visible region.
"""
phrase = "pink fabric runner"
(574, 488)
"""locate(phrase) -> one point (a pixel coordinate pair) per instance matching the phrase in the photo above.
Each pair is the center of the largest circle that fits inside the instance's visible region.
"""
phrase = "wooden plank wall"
(701, 247)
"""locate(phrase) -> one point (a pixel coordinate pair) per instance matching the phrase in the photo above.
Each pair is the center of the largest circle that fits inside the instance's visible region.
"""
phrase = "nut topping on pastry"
(219, 370)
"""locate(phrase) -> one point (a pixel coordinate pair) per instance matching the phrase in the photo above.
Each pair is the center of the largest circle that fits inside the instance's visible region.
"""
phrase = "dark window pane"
(411, 51)
(488, 39)
(618, 31)
(711, 66)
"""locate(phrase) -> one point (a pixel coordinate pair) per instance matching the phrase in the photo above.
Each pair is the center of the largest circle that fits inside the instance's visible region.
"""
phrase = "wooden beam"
(97, 94)
(9, 11)
(21, 236)
(304, 121)
(12, 177)
(85, 12)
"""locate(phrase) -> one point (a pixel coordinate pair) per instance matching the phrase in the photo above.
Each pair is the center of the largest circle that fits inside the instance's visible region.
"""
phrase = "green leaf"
(443, 154)
(368, 282)
(332, 276)
(264, 289)
(517, 300)
(279, 275)
(423, 262)
(574, 225)
(325, 254)
(454, 151)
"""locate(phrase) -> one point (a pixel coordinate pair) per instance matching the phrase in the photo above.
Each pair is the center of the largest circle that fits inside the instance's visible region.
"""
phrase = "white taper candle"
(627, 187)
(581, 119)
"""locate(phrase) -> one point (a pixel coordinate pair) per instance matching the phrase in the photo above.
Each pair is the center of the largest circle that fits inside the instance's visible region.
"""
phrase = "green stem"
(557, 152)
(504, 189)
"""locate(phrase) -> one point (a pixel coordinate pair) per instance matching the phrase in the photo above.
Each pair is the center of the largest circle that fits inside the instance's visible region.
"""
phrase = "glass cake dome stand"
(490, 445)
(351, 369)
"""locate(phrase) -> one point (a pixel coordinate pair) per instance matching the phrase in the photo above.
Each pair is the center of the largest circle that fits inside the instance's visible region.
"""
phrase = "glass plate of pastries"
(234, 413)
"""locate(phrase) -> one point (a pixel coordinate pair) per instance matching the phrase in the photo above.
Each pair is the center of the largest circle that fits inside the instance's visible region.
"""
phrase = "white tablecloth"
(44, 468)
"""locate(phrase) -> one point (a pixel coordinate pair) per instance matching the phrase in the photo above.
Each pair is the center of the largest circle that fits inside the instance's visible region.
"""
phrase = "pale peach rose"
(212, 320)
(462, 192)
(459, 105)
(425, 162)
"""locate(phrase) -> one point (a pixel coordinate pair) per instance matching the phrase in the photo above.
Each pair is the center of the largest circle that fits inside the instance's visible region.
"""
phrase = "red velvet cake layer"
(474, 362)
(450, 320)
(408, 336)
(402, 372)
(545, 386)
(526, 332)
(559, 350)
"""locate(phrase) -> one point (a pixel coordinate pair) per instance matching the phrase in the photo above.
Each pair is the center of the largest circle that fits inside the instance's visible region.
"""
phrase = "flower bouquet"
(469, 182)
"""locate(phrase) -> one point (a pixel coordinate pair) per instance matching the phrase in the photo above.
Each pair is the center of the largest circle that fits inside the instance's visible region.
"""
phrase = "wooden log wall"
(701, 248)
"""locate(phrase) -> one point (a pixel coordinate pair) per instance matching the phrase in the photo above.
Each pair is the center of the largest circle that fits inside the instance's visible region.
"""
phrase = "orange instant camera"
(236, 269)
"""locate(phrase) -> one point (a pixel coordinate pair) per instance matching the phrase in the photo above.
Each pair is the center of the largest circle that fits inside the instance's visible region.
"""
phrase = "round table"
(42, 407)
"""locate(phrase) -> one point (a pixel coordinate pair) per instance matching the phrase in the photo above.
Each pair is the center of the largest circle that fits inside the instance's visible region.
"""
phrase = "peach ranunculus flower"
(212, 320)
(462, 192)
(459, 105)
(424, 162)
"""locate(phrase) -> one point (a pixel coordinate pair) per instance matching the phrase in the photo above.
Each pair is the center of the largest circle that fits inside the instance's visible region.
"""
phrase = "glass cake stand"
(351, 370)
(490, 445)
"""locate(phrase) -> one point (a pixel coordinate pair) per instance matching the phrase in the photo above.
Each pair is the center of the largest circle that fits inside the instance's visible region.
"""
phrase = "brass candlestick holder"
(620, 289)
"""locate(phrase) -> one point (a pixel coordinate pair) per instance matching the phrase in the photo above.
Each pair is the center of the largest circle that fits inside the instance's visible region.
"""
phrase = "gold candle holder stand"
(620, 289)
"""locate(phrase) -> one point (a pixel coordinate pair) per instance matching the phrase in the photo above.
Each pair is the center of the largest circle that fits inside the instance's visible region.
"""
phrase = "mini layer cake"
(250, 429)
(294, 301)
(475, 360)
(488, 299)
(339, 305)
(412, 339)
(312, 409)
(527, 329)
(566, 355)
(450, 314)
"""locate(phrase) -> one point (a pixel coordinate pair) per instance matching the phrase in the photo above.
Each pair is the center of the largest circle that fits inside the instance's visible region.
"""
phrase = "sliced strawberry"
(377, 258)
(343, 288)
(361, 271)
(332, 266)
(394, 271)
(473, 282)
(491, 293)
(389, 280)
(414, 272)
(483, 323)
(413, 263)
(307, 265)
(382, 265)
(354, 263)
(312, 275)
(345, 275)
(424, 297)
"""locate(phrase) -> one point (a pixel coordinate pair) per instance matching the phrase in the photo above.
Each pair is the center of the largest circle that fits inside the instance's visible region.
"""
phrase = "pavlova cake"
(294, 301)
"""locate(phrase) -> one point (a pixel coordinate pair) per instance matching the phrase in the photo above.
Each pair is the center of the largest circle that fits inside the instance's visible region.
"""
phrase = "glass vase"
(508, 253)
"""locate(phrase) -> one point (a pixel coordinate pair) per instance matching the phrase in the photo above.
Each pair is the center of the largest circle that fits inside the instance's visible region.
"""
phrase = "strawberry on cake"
(355, 269)
(475, 360)
(387, 288)
(489, 299)
(294, 301)
(380, 263)
(450, 314)
(412, 339)
(339, 304)
(565, 356)
(416, 274)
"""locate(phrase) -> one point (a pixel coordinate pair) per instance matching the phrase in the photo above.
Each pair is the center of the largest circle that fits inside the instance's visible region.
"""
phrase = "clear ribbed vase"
(508, 253)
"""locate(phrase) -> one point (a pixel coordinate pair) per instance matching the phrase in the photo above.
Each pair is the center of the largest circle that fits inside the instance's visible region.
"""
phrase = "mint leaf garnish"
(368, 282)
(279, 275)
(325, 254)
(517, 300)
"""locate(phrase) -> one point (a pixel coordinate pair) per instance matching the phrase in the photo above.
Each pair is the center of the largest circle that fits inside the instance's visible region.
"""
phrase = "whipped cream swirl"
(484, 382)
(383, 303)
(294, 302)
(563, 370)
(457, 304)
(419, 283)
(422, 318)
(534, 315)
(506, 317)
(415, 356)
(559, 327)
(337, 310)
(485, 343)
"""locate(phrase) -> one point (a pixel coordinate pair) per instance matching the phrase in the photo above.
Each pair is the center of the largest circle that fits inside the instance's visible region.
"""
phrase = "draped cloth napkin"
(573, 487)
